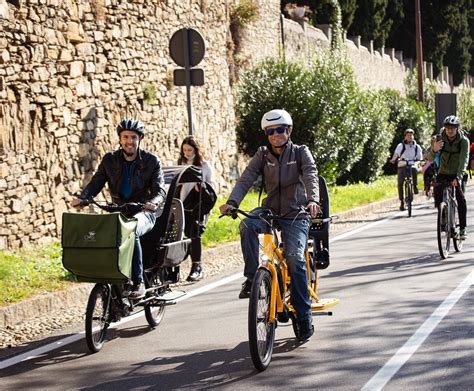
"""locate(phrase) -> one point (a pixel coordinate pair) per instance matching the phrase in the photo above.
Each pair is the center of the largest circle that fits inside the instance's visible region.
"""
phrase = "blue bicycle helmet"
(133, 125)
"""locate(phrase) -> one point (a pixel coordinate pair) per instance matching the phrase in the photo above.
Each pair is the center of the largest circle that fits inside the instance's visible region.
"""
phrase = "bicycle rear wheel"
(443, 230)
(261, 331)
(457, 242)
(97, 314)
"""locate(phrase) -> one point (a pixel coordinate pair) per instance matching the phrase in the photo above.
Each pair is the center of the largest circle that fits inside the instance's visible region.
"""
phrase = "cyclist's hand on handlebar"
(149, 207)
(226, 209)
(313, 209)
(77, 203)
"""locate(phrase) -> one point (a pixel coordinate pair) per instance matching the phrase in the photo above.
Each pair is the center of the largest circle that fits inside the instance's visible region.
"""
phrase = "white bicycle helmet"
(276, 117)
(409, 130)
(452, 120)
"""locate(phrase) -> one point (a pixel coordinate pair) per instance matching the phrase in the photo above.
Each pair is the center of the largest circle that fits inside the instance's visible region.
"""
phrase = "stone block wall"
(70, 70)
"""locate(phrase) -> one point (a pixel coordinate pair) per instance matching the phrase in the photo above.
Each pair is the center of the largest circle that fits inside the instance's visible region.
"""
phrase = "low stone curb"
(77, 294)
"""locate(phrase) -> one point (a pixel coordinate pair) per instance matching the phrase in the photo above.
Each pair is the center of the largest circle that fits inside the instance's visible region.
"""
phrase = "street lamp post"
(419, 50)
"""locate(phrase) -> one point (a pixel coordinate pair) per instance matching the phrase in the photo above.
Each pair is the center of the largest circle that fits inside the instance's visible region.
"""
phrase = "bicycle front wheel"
(443, 230)
(154, 313)
(409, 197)
(261, 331)
(97, 314)
(457, 242)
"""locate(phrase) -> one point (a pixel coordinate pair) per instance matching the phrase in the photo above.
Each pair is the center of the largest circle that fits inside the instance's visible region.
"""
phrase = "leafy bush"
(319, 98)
(375, 115)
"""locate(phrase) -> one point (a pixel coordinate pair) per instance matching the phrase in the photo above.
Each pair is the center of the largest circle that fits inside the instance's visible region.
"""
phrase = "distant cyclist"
(292, 184)
(454, 155)
(406, 150)
(133, 175)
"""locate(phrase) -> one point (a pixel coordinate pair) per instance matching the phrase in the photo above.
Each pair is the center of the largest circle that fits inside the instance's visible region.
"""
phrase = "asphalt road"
(405, 321)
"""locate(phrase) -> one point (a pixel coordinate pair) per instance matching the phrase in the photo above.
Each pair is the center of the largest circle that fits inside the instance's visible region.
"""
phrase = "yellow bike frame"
(272, 256)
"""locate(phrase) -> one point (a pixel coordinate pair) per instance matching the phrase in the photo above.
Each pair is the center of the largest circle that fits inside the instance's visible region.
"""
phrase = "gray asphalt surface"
(389, 278)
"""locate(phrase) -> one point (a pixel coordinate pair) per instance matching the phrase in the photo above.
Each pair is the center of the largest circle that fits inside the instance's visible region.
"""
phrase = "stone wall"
(69, 70)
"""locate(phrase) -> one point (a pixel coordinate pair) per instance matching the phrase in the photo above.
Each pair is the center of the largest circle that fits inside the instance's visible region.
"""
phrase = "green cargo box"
(98, 247)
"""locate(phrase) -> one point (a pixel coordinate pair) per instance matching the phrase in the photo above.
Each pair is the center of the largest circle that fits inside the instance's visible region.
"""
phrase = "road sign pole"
(187, 75)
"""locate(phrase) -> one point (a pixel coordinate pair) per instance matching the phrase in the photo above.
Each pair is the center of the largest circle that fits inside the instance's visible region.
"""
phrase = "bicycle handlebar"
(267, 214)
(126, 208)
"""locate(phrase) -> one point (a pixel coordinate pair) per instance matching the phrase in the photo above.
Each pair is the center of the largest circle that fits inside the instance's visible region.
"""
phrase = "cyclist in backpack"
(454, 154)
(291, 179)
(133, 175)
(406, 150)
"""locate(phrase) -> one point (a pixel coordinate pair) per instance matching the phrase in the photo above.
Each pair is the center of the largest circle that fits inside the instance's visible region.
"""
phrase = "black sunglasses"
(279, 130)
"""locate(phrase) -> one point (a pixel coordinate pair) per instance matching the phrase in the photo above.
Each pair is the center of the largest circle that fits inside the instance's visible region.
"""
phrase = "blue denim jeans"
(295, 239)
(145, 223)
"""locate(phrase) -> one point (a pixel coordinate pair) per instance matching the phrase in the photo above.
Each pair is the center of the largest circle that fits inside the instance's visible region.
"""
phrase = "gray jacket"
(289, 187)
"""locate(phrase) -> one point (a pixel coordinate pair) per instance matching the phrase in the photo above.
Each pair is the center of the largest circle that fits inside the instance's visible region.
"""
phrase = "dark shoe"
(138, 291)
(305, 329)
(245, 291)
(415, 190)
(402, 206)
(195, 273)
(463, 234)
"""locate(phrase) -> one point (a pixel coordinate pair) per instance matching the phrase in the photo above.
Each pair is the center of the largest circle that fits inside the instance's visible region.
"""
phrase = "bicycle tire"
(97, 314)
(443, 230)
(409, 197)
(457, 242)
(261, 331)
(154, 313)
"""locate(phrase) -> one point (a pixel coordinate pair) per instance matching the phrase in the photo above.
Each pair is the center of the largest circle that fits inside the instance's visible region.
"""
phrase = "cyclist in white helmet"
(291, 181)
(453, 147)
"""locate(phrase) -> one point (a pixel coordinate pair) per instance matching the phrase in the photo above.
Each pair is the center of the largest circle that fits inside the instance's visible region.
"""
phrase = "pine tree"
(369, 21)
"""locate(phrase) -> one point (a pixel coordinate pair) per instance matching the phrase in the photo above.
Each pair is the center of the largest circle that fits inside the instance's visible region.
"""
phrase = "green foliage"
(429, 89)
(244, 13)
(466, 108)
(28, 272)
(370, 22)
(380, 131)
(149, 93)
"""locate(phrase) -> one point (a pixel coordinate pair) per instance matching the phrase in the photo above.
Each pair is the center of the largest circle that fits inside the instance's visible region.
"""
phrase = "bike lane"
(390, 280)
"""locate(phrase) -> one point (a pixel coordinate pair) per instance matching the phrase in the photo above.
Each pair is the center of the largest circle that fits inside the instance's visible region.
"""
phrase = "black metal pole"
(419, 50)
(187, 75)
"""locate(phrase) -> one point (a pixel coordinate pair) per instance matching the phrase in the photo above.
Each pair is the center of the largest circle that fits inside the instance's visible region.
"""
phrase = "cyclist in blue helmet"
(132, 175)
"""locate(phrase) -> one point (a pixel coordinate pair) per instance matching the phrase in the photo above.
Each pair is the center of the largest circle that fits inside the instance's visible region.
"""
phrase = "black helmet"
(452, 120)
(133, 125)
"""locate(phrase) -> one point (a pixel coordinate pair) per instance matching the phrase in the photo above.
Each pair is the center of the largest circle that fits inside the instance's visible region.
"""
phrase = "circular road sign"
(196, 47)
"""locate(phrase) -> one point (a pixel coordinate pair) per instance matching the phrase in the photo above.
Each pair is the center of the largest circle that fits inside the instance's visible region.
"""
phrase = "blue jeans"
(145, 223)
(295, 239)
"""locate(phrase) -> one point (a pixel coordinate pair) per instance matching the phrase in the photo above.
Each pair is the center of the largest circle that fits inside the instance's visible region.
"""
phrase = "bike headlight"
(264, 260)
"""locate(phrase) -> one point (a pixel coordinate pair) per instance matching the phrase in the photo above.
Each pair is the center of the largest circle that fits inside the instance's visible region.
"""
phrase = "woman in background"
(191, 154)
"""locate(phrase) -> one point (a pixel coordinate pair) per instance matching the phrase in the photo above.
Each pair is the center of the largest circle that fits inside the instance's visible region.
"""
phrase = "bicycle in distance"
(448, 220)
(98, 248)
(270, 296)
(408, 185)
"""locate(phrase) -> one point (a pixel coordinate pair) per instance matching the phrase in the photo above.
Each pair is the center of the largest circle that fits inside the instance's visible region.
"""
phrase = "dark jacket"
(147, 178)
(290, 184)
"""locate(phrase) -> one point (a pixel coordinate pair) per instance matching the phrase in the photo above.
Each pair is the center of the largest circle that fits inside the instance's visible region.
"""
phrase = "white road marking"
(383, 376)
